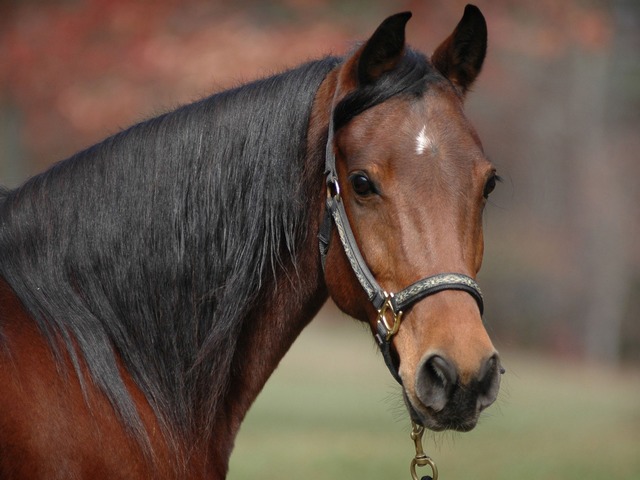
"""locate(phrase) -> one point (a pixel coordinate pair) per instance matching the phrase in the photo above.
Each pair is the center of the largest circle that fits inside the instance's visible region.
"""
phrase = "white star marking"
(423, 141)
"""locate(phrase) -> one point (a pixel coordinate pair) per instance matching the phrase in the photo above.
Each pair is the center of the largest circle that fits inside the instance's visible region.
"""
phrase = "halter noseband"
(390, 306)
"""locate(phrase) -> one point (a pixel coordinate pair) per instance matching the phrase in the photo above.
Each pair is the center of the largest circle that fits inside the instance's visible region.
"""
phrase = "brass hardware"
(333, 189)
(392, 328)
(421, 459)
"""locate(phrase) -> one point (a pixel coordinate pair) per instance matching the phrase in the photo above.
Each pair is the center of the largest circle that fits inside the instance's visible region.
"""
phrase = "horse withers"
(150, 284)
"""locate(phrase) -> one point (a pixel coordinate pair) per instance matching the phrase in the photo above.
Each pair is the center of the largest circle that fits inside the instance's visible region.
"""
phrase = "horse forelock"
(411, 77)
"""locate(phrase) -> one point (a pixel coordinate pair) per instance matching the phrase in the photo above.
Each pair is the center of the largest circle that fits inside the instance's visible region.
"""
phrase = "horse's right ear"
(383, 50)
(460, 56)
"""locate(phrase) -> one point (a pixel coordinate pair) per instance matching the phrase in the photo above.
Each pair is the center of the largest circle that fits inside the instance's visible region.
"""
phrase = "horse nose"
(489, 381)
(438, 377)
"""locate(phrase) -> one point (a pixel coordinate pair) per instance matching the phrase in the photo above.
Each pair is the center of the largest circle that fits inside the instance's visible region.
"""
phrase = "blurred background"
(558, 109)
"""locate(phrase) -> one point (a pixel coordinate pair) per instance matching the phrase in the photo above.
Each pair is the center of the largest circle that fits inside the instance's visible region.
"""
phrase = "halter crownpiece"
(390, 306)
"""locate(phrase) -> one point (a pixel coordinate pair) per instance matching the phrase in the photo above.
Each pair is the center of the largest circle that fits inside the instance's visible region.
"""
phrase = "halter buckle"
(387, 307)
(333, 188)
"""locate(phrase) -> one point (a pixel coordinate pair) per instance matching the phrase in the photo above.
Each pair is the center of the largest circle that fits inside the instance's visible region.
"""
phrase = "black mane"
(156, 243)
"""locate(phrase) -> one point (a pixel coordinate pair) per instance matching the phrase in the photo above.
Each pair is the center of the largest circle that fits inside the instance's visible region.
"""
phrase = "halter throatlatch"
(390, 306)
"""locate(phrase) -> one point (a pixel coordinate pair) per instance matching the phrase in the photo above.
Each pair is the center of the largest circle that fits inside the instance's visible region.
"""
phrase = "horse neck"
(264, 341)
(223, 385)
(290, 305)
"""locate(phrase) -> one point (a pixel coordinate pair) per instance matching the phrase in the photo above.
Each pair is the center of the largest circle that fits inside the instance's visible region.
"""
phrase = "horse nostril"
(489, 382)
(436, 379)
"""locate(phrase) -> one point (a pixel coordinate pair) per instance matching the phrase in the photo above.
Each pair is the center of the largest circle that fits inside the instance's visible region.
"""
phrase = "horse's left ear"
(383, 50)
(460, 56)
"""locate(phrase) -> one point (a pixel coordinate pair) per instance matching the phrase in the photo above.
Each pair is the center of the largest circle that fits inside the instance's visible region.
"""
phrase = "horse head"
(412, 180)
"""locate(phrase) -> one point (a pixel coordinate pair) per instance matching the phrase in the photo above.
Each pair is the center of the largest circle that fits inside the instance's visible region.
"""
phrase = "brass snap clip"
(421, 459)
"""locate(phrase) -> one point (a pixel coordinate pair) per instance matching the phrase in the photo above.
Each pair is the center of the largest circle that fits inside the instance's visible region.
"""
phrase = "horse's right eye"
(361, 184)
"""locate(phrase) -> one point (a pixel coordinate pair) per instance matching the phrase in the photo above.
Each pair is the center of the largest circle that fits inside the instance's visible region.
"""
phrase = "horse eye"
(361, 184)
(490, 185)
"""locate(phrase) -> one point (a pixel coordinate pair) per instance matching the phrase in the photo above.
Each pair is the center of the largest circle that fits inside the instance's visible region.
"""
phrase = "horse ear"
(383, 50)
(460, 56)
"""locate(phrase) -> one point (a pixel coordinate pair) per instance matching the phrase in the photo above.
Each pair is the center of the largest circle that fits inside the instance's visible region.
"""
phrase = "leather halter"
(386, 303)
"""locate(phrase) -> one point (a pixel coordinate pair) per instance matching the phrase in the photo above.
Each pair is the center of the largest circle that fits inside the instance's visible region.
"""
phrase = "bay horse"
(150, 284)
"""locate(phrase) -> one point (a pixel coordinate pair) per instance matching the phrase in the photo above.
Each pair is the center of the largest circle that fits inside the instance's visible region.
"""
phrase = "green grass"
(332, 411)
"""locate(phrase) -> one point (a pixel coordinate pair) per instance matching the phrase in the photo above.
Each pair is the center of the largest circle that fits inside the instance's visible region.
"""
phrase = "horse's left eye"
(361, 184)
(490, 185)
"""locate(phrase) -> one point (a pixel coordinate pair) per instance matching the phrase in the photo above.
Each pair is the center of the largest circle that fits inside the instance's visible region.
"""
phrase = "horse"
(150, 284)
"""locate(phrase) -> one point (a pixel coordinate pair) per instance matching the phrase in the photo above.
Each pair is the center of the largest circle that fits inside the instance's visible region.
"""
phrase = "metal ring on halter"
(387, 307)
(333, 188)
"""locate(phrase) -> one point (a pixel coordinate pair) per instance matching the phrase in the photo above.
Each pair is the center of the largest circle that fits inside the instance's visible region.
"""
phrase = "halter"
(390, 306)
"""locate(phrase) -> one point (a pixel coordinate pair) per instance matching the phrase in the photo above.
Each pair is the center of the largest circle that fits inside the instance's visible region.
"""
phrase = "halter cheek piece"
(389, 305)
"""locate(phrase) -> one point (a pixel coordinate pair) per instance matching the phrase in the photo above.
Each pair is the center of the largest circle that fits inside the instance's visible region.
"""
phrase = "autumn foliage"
(556, 106)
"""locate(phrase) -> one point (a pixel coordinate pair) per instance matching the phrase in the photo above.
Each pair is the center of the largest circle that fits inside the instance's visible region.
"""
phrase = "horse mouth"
(456, 417)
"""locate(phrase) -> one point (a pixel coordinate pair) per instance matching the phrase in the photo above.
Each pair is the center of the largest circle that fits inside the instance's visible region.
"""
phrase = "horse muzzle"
(443, 402)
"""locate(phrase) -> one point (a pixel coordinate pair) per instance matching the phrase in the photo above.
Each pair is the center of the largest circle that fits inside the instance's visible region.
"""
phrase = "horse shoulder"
(49, 428)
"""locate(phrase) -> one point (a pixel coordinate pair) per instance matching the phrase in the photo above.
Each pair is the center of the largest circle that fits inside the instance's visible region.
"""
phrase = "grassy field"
(332, 411)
